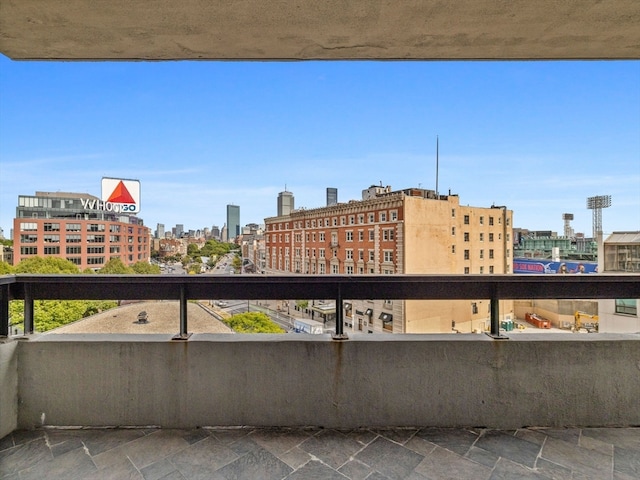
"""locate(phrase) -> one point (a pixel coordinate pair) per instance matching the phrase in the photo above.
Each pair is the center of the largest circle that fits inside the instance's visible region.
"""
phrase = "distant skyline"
(538, 137)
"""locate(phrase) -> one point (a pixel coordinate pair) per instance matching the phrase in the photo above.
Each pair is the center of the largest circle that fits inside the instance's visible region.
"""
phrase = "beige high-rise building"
(411, 231)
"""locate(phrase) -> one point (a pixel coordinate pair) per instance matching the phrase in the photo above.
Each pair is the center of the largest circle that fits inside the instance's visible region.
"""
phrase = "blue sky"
(539, 137)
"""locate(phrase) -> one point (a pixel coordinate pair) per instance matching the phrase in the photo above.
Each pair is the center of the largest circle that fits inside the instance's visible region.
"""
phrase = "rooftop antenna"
(437, 162)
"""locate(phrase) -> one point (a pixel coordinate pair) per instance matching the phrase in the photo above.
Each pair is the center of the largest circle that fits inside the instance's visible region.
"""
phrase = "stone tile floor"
(324, 454)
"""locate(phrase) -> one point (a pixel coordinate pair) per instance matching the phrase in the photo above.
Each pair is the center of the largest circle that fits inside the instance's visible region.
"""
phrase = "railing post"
(28, 325)
(4, 311)
(339, 334)
(495, 319)
(183, 335)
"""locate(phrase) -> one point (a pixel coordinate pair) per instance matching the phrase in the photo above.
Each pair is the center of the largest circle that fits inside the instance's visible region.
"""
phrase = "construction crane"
(590, 327)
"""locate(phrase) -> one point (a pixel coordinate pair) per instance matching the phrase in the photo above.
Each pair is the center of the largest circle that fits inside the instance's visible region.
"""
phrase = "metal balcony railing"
(312, 287)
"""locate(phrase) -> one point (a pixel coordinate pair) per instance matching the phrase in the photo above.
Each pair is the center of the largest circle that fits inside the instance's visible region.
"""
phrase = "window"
(349, 236)
(481, 269)
(28, 250)
(51, 227)
(383, 216)
(466, 254)
(361, 218)
(343, 220)
(482, 237)
(29, 238)
(371, 235)
(481, 253)
(466, 236)
(75, 227)
(360, 254)
(73, 238)
(28, 227)
(371, 218)
(491, 253)
(371, 256)
(52, 250)
(453, 249)
(466, 219)
(453, 230)
(95, 238)
(352, 219)
(491, 237)
(95, 227)
(322, 253)
(481, 220)
(466, 270)
(51, 238)
(349, 253)
(490, 268)
(453, 212)
(74, 250)
(360, 236)
(490, 220)
(388, 255)
(348, 269)
(335, 221)
(322, 236)
(95, 249)
(387, 234)
(627, 306)
(334, 269)
(394, 215)
(474, 308)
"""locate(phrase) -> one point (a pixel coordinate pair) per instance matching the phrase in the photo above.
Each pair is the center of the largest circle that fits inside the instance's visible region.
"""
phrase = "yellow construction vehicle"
(590, 327)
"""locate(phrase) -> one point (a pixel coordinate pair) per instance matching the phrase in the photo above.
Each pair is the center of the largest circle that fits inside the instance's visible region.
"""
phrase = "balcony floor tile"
(315, 453)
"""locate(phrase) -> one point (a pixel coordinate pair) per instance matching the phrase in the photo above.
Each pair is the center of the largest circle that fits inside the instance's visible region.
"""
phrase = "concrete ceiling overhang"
(320, 29)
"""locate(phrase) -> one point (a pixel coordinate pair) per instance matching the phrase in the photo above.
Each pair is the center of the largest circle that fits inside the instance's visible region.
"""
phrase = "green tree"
(115, 266)
(5, 268)
(192, 249)
(214, 248)
(236, 263)
(46, 265)
(144, 268)
(49, 314)
(253, 322)
(302, 304)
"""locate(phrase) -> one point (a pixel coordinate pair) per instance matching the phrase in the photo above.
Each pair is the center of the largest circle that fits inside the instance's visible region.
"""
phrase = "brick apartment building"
(77, 227)
(411, 231)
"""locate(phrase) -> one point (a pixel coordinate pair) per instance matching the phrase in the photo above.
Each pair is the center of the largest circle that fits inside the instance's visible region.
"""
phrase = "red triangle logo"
(120, 194)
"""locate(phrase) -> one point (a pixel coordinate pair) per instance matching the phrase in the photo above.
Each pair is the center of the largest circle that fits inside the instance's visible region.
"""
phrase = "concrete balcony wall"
(9, 387)
(294, 380)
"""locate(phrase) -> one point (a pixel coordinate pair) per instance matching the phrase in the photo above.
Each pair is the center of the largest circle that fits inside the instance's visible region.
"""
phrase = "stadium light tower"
(597, 204)
(568, 231)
